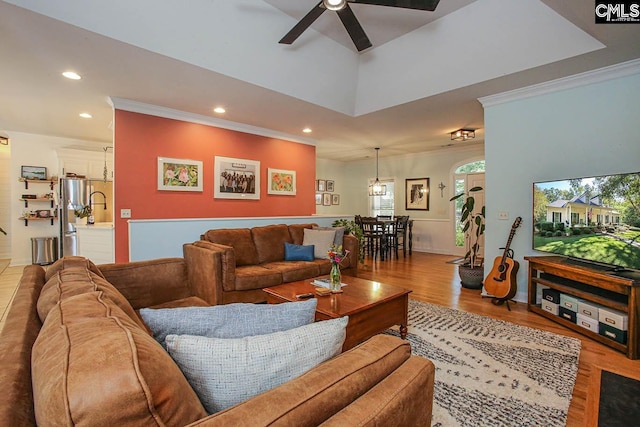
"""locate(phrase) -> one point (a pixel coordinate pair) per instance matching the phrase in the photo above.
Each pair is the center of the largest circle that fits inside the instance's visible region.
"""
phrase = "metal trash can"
(44, 250)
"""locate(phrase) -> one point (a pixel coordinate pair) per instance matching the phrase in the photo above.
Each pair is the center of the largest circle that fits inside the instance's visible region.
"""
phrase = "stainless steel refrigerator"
(74, 194)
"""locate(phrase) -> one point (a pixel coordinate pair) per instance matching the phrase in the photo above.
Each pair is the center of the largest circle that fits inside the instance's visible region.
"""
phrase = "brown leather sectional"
(75, 352)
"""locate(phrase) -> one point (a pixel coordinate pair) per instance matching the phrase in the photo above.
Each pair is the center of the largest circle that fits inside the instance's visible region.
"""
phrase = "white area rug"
(491, 372)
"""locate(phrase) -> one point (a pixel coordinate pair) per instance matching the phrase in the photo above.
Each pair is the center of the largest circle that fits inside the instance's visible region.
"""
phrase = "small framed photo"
(417, 194)
(43, 213)
(321, 185)
(33, 172)
(179, 174)
(236, 178)
(318, 198)
(282, 182)
(330, 185)
(326, 199)
(335, 199)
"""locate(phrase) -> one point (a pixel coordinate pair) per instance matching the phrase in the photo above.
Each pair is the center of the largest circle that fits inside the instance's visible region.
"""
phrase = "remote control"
(308, 295)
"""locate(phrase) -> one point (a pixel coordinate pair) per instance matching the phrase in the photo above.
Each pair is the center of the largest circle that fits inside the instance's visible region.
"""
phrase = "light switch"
(503, 215)
(125, 213)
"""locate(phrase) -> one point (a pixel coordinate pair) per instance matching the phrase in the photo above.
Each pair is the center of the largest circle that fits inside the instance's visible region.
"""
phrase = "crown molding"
(587, 78)
(169, 113)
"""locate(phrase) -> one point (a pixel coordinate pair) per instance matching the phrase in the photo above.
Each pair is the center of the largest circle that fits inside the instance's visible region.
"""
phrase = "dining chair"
(402, 223)
(373, 231)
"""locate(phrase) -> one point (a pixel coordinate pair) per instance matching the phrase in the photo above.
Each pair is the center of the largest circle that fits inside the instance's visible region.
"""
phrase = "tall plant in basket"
(471, 271)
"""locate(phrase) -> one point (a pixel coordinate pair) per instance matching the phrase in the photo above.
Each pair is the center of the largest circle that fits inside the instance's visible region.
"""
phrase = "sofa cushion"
(230, 320)
(78, 280)
(338, 240)
(71, 261)
(269, 241)
(240, 240)
(298, 252)
(292, 271)
(92, 365)
(297, 232)
(322, 240)
(225, 372)
(256, 277)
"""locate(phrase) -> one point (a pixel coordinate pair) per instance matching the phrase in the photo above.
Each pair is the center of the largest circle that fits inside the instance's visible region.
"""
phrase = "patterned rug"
(491, 372)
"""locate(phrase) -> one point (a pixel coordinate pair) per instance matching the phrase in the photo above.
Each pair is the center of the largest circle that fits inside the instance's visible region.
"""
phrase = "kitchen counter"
(96, 242)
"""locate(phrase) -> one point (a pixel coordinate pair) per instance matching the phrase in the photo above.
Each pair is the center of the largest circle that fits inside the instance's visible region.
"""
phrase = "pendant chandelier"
(377, 189)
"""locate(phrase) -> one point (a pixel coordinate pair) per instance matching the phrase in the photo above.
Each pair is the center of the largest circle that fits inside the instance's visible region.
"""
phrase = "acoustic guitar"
(501, 280)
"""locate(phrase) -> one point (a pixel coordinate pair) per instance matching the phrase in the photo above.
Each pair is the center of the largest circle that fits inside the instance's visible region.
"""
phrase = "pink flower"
(184, 175)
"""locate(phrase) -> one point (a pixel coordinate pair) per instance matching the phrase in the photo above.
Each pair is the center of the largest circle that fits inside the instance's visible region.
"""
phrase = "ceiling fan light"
(334, 4)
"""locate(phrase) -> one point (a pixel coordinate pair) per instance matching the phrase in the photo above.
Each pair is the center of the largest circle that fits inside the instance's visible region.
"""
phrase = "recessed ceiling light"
(85, 115)
(72, 75)
(219, 110)
(307, 130)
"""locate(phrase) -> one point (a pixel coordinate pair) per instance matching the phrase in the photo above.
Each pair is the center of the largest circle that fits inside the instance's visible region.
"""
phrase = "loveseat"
(256, 258)
(75, 351)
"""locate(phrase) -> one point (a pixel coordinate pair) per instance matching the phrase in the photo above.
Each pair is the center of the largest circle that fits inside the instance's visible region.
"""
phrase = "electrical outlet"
(503, 215)
(125, 213)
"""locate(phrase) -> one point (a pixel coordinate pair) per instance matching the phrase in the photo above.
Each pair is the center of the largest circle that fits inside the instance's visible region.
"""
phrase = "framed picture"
(43, 213)
(236, 178)
(318, 198)
(417, 194)
(282, 182)
(329, 185)
(335, 199)
(326, 199)
(321, 185)
(33, 172)
(179, 174)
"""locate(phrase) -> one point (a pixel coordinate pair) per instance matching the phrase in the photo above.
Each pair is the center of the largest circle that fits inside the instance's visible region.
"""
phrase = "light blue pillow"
(229, 320)
(298, 252)
(225, 372)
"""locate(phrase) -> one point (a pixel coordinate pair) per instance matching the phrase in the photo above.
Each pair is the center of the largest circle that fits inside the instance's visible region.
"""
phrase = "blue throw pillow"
(298, 252)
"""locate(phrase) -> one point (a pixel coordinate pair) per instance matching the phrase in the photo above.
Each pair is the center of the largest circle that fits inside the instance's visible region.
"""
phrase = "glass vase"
(334, 278)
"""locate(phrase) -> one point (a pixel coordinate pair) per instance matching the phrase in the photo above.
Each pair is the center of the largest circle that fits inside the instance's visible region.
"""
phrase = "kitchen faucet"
(103, 195)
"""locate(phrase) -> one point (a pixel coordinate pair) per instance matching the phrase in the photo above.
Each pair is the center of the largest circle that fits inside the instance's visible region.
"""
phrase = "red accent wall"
(140, 139)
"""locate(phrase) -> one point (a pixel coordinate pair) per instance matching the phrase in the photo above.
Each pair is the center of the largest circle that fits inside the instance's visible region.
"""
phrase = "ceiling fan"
(349, 20)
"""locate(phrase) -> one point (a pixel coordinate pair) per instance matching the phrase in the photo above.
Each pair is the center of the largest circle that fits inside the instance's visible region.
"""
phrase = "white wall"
(571, 132)
(5, 202)
(33, 150)
(432, 229)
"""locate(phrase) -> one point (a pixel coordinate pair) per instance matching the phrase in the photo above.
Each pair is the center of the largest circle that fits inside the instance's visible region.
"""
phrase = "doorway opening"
(466, 177)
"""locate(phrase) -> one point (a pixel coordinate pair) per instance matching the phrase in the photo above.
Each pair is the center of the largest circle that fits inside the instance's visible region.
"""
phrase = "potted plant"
(82, 213)
(350, 227)
(471, 271)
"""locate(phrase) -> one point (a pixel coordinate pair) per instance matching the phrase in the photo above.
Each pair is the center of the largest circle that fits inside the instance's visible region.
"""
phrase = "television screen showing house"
(594, 218)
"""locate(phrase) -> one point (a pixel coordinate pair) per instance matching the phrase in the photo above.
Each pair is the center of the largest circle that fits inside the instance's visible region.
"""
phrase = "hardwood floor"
(433, 280)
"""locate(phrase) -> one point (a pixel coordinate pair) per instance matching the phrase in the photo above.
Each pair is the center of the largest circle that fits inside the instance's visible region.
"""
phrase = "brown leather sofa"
(254, 258)
(93, 362)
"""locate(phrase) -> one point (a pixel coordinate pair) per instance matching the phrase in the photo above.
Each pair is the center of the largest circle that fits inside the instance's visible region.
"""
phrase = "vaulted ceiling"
(419, 81)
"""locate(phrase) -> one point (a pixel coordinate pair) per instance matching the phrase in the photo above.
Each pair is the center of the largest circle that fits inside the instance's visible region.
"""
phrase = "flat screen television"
(593, 220)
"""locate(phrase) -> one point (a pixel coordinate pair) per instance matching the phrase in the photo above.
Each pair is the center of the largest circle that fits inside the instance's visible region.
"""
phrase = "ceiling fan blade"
(304, 23)
(429, 5)
(354, 28)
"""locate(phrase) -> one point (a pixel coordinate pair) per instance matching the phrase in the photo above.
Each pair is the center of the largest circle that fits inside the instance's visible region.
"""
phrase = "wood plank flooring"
(433, 280)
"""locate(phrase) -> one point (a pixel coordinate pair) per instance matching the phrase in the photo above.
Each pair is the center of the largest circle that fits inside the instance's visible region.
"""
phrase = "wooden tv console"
(591, 284)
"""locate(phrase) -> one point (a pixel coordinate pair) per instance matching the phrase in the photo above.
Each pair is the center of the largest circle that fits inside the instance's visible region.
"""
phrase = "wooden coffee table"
(372, 307)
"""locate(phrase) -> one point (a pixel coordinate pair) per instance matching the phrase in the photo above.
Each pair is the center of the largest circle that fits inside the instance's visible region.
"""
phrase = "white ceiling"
(419, 81)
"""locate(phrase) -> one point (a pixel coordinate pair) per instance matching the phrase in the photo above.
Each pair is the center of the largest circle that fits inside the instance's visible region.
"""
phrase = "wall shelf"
(26, 220)
(51, 182)
(26, 201)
